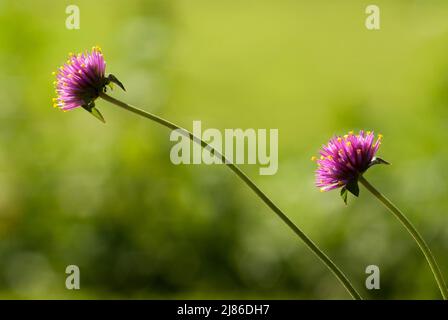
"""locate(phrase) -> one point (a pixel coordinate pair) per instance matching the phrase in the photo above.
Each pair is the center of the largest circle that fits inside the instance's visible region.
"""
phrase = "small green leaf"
(94, 111)
(114, 79)
(344, 194)
(377, 160)
(353, 187)
(97, 114)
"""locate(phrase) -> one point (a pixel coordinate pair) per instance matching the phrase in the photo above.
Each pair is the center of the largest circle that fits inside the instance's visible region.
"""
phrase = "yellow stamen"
(313, 158)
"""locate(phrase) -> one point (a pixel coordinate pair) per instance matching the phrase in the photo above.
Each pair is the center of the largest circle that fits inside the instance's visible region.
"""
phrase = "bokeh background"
(108, 199)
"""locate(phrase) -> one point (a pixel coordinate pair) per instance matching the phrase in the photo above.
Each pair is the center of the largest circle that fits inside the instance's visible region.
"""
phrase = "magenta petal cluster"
(344, 158)
(80, 80)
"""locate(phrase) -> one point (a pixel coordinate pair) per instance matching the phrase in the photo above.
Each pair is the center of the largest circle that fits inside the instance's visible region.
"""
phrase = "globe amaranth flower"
(344, 159)
(80, 81)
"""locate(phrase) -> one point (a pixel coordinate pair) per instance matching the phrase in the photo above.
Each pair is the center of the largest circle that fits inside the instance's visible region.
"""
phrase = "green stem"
(313, 247)
(414, 233)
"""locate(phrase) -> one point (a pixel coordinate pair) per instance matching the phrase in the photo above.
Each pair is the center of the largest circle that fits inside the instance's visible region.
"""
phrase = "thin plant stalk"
(414, 233)
(309, 243)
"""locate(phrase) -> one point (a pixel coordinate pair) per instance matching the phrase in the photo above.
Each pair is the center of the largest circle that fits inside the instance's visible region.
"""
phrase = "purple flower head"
(344, 159)
(81, 80)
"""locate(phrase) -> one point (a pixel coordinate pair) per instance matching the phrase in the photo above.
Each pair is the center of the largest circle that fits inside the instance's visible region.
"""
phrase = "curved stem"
(414, 233)
(313, 247)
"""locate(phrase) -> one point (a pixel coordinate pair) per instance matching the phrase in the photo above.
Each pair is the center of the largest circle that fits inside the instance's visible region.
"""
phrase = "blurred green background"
(108, 199)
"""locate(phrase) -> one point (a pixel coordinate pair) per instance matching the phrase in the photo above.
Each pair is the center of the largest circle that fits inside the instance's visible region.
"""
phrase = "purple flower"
(344, 159)
(81, 80)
